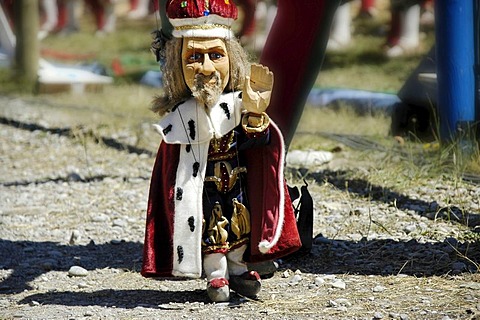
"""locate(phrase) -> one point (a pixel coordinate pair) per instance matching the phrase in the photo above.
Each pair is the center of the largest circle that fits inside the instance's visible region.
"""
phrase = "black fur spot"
(240, 95)
(188, 147)
(180, 254)
(224, 106)
(196, 166)
(191, 129)
(191, 223)
(167, 129)
(179, 193)
(176, 106)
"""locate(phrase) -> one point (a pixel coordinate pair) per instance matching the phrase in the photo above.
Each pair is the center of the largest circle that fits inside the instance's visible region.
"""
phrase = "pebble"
(459, 267)
(471, 285)
(100, 217)
(343, 302)
(74, 237)
(295, 279)
(339, 284)
(119, 223)
(378, 289)
(409, 228)
(77, 271)
(319, 281)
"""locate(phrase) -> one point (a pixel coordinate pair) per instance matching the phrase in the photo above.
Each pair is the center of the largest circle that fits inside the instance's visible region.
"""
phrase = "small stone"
(458, 267)
(409, 229)
(343, 302)
(119, 223)
(330, 277)
(339, 284)
(378, 289)
(295, 279)
(77, 271)
(100, 217)
(403, 316)
(319, 281)
(473, 286)
(377, 315)
(74, 237)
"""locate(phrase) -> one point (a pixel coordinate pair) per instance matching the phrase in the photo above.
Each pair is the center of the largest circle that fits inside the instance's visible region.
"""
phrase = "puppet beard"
(205, 90)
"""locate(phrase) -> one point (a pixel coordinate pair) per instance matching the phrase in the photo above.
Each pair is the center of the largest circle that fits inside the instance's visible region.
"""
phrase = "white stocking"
(215, 266)
(236, 265)
(51, 14)
(341, 29)
(410, 36)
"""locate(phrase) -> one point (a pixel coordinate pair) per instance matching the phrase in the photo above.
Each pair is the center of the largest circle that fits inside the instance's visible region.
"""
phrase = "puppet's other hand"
(258, 89)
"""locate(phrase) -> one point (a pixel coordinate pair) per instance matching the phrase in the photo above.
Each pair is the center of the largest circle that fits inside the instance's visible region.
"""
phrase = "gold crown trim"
(202, 27)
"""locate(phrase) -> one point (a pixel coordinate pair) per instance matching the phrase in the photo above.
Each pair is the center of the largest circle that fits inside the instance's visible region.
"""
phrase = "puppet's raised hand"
(257, 89)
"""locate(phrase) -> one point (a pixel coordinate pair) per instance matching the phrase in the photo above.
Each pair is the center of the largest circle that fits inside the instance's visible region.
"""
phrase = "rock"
(343, 302)
(458, 267)
(119, 223)
(473, 286)
(74, 237)
(378, 289)
(99, 217)
(319, 281)
(76, 271)
(295, 279)
(339, 284)
(308, 158)
(409, 228)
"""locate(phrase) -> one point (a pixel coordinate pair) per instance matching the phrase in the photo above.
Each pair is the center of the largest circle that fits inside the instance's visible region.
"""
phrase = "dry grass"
(362, 66)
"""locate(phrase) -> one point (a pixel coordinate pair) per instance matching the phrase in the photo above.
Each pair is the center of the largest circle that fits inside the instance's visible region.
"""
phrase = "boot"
(218, 290)
(244, 282)
(248, 284)
(215, 266)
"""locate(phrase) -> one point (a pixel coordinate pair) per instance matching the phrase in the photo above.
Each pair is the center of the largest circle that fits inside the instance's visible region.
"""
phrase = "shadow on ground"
(363, 188)
(28, 260)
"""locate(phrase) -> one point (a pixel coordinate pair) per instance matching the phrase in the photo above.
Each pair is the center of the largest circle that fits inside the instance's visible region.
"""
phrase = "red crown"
(202, 18)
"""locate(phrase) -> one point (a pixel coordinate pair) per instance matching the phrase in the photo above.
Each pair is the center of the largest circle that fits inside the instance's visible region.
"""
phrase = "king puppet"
(217, 197)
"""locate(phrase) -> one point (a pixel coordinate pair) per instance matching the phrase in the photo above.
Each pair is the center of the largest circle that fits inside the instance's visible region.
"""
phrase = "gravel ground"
(72, 222)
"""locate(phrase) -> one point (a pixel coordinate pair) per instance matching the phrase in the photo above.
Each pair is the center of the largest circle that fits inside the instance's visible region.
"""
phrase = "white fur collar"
(189, 122)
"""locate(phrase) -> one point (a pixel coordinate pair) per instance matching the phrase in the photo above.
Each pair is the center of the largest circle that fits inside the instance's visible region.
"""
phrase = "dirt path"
(75, 200)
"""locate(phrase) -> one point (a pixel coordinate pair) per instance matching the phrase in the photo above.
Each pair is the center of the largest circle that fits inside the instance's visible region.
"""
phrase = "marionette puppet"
(217, 197)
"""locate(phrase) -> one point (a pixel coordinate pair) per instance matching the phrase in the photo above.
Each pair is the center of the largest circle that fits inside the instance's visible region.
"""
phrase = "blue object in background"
(454, 33)
(152, 79)
(364, 102)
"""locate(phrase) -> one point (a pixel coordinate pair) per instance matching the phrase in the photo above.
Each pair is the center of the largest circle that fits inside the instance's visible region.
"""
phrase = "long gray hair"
(175, 89)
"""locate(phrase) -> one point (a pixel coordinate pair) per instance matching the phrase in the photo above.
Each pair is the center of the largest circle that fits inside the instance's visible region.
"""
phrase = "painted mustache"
(201, 80)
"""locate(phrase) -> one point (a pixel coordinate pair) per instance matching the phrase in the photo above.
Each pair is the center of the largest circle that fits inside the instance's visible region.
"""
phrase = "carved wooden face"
(207, 57)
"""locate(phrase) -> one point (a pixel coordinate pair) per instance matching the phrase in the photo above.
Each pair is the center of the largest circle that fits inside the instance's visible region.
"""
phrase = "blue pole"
(454, 36)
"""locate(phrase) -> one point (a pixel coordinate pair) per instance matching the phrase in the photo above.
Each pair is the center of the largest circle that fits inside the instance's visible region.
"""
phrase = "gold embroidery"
(217, 234)
(222, 144)
(240, 220)
(225, 186)
(231, 154)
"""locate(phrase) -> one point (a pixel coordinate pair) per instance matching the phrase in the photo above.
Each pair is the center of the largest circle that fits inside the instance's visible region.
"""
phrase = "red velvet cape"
(264, 179)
